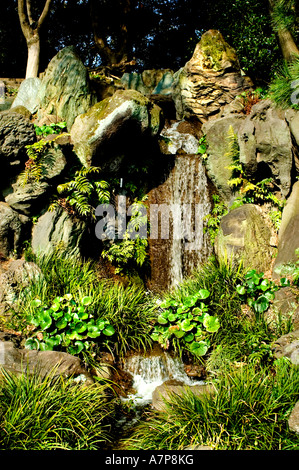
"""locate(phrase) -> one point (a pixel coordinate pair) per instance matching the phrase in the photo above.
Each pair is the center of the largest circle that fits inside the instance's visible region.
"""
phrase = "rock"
(266, 145)
(288, 235)
(149, 82)
(217, 161)
(293, 420)
(65, 90)
(286, 304)
(287, 346)
(42, 363)
(13, 231)
(169, 387)
(243, 234)
(16, 132)
(109, 126)
(55, 230)
(211, 79)
(29, 198)
(28, 95)
(175, 141)
(14, 280)
(20, 110)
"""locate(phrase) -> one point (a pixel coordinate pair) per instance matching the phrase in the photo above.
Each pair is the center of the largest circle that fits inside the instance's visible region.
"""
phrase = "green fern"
(81, 195)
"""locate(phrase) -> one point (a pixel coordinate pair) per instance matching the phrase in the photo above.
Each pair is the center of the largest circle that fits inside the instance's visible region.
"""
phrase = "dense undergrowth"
(254, 393)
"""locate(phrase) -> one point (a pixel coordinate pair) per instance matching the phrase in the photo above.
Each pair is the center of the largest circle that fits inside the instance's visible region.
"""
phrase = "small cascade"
(151, 371)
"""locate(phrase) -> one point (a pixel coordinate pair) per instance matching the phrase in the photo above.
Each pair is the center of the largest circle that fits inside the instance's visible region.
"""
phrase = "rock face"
(57, 229)
(293, 420)
(15, 133)
(13, 280)
(266, 145)
(216, 132)
(13, 228)
(243, 234)
(43, 363)
(170, 387)
(288, 346)
(211, 79)
(149, 82)
(30, 198)
(288, 236)
(113, 121)
(28, 95)
(65, 90)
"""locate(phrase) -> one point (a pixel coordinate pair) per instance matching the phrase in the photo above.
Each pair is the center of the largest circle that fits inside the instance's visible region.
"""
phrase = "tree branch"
(44, 13)
(29, 15)
(23, 16)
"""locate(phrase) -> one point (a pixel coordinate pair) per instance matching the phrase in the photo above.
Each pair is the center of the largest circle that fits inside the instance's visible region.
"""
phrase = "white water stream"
(151, 371)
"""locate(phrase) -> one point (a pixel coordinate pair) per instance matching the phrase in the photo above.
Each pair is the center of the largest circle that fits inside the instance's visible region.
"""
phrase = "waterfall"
(151, 371)
(185, 190)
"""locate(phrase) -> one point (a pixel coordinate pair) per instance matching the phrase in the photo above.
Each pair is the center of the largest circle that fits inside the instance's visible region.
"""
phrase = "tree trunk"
(33, 57)
(288, 46)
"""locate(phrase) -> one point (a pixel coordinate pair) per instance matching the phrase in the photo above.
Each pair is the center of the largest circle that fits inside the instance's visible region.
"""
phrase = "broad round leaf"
(199, 348)
(86, 300)
(186, 325)
(109, 330)
(32, 343)
(211, 323)
(36, 303)
(162, 320)
(45, 321)
(189, 337)
(203, 294)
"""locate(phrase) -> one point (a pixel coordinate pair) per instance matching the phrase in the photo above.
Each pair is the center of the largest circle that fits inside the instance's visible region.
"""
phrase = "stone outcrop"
(266, 145)
(244, 235)
(14, 278)
(288, 235)
(293, 420)
(216, 132)
(65, 90)
(288, 346)
(114, 121)
(173, 387)
(149, 82)
(211, 79)
(16, 132)
(28, 95)
(30, 198)
(13, 229)
(55, 230)
(43, 363)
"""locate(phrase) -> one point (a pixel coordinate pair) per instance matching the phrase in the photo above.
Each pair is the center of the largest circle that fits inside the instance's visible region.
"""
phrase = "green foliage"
(35, 165)
(214, 217)
(130, 252)
(247, 411)
(81, 195)
(284, 15)
(45, 414)
(186, 325)
(283, 89)
(48, 129)
(66, 325)
(258, 291)
(251, 192)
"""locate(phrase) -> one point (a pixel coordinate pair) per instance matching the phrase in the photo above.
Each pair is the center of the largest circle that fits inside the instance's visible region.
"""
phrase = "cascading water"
(151, 371)
(185, 191)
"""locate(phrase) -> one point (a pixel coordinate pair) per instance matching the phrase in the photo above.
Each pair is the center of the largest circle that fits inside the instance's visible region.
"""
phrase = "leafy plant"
(258, 292)
(40, 413)
(186, 325)
(66, 325)
(214, 217)
(82, 194)
(48, 129)
(130, 251)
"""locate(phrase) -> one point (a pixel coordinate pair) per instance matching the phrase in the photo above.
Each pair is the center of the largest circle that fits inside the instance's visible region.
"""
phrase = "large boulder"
(65, 90)
(216, 132)
(57, 229)
(288, 235)
(13, 230)
(149, 82)
(30, 197)
(113, 126)
(244, 235)
(28, 95)
(287, 346)
(266, 145)
(55, 363)
(173, 387)
(16, 131)
(14, 279)
(209, 80)
(293, 420)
